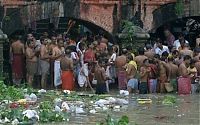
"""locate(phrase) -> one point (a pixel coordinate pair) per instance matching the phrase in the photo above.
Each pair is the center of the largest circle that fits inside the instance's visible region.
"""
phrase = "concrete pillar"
(3, 38)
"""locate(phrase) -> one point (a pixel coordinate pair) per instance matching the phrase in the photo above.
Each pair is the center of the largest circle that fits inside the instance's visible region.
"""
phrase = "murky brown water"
(185, 112)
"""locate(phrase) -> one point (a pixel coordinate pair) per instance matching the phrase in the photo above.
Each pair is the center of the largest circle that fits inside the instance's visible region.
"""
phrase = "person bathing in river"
(67, 76)
(144, 73)
(100, 76)
(131, 70)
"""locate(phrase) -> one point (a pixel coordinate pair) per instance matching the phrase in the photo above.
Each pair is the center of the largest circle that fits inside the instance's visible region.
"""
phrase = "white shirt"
(159, 51)
(177, 43)
(113, 57)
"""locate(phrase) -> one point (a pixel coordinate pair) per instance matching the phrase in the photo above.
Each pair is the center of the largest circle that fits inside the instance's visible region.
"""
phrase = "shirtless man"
(131, 71)
(197, 65)
(183, 67)
(44, 63)
(140, 58)
(173, 73)
(31, 61)
(100, 76)
(17, 60)
(149, 52)
(67, 75)
(57, 53)
(186, 50)
(120, 63)
(144, 73)
(196, 54)
(163, 75)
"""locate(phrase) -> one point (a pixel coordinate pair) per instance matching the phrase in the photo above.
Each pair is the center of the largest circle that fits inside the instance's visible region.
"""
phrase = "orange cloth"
(67, 78)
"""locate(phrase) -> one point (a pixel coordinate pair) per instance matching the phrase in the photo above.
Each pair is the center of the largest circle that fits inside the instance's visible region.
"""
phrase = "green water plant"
(124, 120)
(169, 100)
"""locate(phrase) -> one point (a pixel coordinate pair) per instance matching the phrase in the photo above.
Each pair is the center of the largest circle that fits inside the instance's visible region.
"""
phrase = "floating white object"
(33, 97)
(57, 109)
(124, 92)
(65, 106)
(42, 91)
(58, 102)
(121, 101)
(15, 122)
(102, 102)
(6, 120)
(105, 108)
(93, 111)
(30, 114)
(67, 91)
(79, 110)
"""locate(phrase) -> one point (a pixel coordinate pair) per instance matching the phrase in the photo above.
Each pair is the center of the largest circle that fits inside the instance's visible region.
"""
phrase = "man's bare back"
(120, 62)
(173, 70)
(139, 59)
(17, 47)
(66, 64)
(150, 54)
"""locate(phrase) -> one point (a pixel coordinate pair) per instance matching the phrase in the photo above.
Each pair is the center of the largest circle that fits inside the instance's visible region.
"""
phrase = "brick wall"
(107, 13)
(148, 6)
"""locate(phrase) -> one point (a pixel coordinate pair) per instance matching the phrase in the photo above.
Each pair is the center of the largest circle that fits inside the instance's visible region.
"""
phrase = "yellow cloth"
(133, 55)
(133, 63)
(192, 70)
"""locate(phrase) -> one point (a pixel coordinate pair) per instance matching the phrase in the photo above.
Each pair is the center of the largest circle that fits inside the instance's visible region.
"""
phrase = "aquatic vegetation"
(169, 100)
(124, 120)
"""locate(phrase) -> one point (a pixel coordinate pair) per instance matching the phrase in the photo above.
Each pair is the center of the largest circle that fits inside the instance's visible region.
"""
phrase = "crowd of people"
(95, 63)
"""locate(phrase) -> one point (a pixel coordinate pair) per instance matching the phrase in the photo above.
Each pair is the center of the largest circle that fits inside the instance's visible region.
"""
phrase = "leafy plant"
(10, 92)
(124, 120)
(128, 32)
(169, 100)
(179, 7)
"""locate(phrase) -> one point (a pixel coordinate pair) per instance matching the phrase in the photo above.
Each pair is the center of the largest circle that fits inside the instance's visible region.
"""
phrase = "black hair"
(129, 48)
(192, 62)
(165, 53)
(187, 57)
(180, 35)
(141, 51)
(174, 52)
(124, 51)
(170, 59)
(130, 57)
(81, 46)
(157, 56)
(67, 51)
(145, 60)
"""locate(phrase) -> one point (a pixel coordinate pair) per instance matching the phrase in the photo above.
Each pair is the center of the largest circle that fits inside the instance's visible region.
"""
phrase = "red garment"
(18, 66)
(122, 80)
(89, 56)
(67, 78)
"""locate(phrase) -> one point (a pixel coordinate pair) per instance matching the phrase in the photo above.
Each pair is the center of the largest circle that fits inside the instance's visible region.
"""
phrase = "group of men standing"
(156, 68)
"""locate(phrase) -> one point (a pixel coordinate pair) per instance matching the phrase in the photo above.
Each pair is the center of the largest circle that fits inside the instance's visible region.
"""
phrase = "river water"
(184, 112)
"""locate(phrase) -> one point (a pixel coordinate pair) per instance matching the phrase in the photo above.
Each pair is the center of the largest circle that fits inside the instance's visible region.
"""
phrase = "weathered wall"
(104, 13)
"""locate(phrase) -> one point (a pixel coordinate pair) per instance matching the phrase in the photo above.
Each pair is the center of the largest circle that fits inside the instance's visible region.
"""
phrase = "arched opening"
(189, 26)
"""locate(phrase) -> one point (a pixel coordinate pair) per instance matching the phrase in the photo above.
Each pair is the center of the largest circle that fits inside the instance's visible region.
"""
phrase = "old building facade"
(105, 14)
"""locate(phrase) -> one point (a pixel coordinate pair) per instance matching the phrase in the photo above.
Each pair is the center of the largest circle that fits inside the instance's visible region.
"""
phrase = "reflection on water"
(184, 112)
